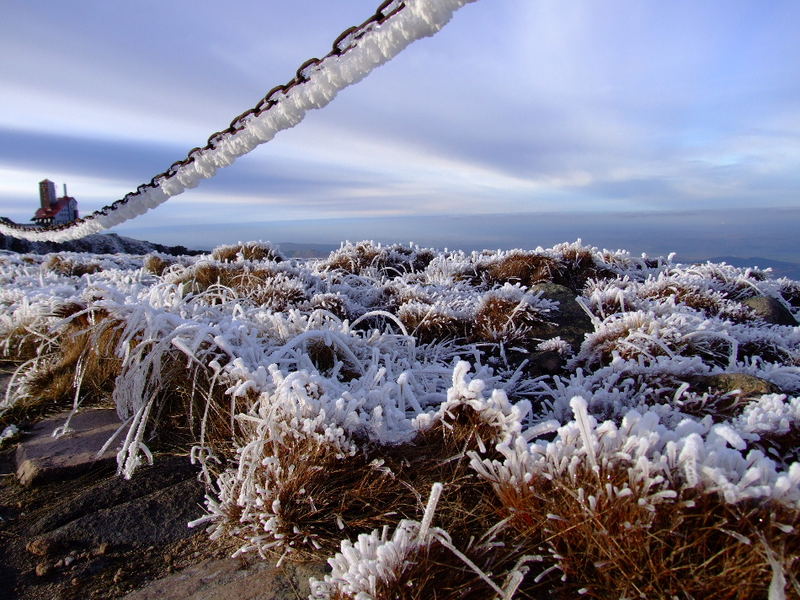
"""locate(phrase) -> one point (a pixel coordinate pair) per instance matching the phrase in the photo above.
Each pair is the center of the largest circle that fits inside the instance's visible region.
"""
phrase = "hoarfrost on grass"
(323, 353)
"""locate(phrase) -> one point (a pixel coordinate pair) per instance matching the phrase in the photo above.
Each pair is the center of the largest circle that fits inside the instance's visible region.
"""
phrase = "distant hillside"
(100, 243)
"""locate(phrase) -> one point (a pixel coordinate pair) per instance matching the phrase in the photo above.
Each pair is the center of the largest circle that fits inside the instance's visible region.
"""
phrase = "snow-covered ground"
(374, 345)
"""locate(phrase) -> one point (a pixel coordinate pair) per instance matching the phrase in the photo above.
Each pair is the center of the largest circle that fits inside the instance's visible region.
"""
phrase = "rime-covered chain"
(355, 53)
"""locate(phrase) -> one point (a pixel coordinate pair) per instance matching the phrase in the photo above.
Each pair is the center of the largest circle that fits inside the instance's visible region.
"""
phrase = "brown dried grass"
(194, 408)
(88, 344)
(325, 358)
(698, 546)
(632, 338)
(790, 290)
(190, 403)
(388, 261)
(524, 268)
(394, 295)
(242, 279)
(21, 343)
(361, 257)
(501, 320)
(722, 397)
(578, 266)
(783, 447)
(433, 572)
(325, 496)
(335, 304)
(693, 546)
(572, 269)
(278, 293)
(85, 352)
(65, 266)
(704, 301)
(156, 264)
(262, 286)
(428, 324)
(737, 288)
(720, 406)
(254, 251)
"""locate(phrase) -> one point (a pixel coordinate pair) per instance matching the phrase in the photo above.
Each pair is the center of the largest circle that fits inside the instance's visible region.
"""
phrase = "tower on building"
(47, 193)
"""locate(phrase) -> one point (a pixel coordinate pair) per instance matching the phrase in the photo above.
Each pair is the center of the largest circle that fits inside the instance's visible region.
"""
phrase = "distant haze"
(769, 233)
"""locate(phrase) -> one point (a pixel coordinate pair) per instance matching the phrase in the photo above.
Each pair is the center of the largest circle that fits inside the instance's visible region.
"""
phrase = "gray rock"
(233, 579)
(109, 491)
(749, 386)
(571, 323)
(771, 310)
(41, 457)
(5, 379)
(153, 519)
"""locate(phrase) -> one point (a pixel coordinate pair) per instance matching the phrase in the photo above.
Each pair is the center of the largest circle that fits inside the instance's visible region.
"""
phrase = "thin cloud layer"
(516, 106)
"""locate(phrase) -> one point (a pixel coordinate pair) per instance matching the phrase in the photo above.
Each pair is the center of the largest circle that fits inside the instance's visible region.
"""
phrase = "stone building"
(52, 210)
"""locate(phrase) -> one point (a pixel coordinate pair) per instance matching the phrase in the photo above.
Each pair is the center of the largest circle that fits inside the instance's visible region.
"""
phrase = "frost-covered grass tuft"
(368, 258)
(255, 251)
(157, 264)
(648, 451)
(507, 314)
(67, 266)
(526, 268)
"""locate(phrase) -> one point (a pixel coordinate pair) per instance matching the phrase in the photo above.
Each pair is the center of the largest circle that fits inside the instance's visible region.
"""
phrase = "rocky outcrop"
(99, 243)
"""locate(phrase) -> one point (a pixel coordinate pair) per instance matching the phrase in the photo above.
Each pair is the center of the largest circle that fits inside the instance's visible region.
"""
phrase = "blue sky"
(516, 107)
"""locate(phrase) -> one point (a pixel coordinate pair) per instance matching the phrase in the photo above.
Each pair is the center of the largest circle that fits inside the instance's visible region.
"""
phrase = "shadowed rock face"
(96, 535)
(112, 535)
(153, 510)
(154, 518)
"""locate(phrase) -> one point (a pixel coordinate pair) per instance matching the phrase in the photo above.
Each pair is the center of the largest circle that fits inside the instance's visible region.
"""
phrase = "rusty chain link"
(345, 42)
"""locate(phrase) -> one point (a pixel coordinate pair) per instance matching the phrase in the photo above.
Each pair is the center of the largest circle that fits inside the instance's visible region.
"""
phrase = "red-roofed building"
(54, 211)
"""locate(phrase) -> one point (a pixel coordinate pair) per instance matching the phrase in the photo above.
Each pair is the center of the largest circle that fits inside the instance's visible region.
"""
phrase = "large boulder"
(771, 310)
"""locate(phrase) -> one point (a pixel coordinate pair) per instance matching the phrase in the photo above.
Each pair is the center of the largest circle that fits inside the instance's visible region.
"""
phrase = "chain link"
(345, 42)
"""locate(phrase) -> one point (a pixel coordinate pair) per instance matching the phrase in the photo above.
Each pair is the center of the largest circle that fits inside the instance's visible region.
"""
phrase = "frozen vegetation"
(526, 424)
